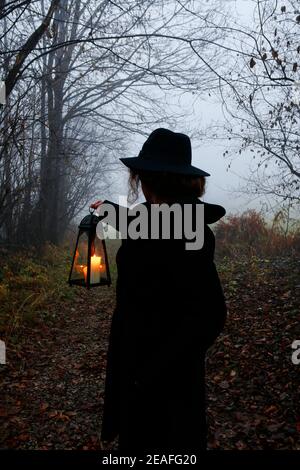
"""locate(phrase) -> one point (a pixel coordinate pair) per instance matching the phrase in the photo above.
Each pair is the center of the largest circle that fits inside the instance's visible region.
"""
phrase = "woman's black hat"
(168, 151)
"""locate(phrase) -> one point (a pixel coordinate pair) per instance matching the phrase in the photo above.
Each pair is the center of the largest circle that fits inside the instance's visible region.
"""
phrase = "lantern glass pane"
(79, 271)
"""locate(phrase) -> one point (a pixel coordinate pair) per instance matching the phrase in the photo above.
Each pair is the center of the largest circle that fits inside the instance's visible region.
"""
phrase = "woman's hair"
(167, 186)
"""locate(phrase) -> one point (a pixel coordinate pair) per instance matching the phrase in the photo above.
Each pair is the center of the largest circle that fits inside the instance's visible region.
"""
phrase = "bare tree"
(98, 74)
(29, 45)
(262, 104)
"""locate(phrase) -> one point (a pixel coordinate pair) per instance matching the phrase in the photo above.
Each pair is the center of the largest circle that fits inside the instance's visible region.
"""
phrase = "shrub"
(249, 234)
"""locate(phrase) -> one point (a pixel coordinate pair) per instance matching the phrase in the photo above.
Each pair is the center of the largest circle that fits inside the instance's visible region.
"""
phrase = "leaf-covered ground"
(52, 387)
(253, 386)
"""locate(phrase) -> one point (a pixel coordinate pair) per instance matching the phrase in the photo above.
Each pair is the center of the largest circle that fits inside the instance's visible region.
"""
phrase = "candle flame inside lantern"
(95, 270)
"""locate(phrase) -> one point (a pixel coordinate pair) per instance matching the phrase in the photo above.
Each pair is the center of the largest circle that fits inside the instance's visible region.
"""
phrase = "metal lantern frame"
(88, 226)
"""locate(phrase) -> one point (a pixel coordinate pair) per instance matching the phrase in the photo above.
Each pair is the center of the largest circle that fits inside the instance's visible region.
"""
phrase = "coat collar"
(212, 212)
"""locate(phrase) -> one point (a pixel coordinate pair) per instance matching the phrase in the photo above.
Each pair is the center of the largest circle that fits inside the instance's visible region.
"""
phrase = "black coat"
(170, 309)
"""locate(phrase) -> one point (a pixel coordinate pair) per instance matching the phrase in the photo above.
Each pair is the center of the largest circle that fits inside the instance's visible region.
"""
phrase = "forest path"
(53, 392)
(253, 385)
(52, 389)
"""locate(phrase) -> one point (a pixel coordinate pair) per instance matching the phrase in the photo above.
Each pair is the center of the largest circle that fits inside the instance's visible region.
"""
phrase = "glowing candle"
(95, 270)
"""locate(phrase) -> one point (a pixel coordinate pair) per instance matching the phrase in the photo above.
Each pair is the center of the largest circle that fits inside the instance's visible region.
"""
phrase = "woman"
(170, 309)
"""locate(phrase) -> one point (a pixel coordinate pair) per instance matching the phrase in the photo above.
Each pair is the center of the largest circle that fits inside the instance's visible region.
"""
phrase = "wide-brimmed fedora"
(165, 150)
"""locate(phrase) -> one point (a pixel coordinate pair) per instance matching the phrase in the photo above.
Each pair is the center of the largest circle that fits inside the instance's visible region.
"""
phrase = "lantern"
(90, 264)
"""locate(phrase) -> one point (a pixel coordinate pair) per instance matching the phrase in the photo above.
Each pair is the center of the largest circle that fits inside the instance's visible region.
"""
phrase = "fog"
(223, 186)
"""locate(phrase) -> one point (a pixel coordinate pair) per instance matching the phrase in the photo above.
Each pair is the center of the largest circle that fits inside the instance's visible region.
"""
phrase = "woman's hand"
(96, 204)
